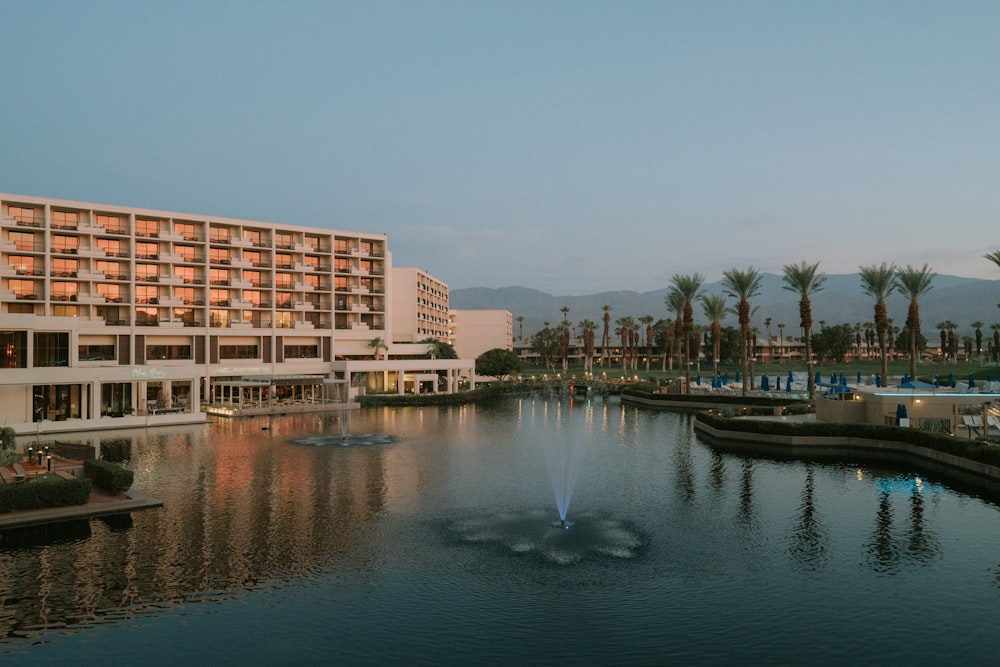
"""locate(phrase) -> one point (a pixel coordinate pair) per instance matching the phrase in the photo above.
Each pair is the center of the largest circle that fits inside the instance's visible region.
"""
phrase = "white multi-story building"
(115, 316)
(476, 331)
(419, 306)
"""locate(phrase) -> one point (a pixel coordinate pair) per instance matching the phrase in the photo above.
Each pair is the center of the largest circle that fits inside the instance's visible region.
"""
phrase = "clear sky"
(572, 147)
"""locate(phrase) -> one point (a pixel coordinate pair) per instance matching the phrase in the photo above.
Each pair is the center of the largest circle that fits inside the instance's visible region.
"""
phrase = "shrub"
(107, 476)
(49, 492)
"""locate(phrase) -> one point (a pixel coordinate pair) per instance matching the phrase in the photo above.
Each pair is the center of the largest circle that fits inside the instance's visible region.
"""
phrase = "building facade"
(115, 316)
(419, 306)
(475, 331)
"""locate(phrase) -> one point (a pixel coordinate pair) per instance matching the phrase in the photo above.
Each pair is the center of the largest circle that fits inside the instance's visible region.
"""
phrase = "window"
(23, 265)
(283, 280)
(24, 241)
(146, 251)
(219, 255)
(187, 274)
(313, 281)
(282, 260)
(111, 247)
(187, 230)
(25, 289)
(111, 223)
(341, 247)
(218, 234)
(253, 236)
(218, 276)
(146, 294)
(24, 215)
(301, 352)
(64, 219)
(283, 240)
(186, 295)
(253, 277)
(168, 352)
(112, 270)
(64, 268)
(146, 272)
(148, 228)
(65, 244)
(110, 291)
(51, 349)
(96, 352)
(218, 297)
(187, 253)
(239, 352)
(13, 349)
(64, 291)
(254, 257)
(146, 317)
(252, 297)
(20, 309)
(218, 318)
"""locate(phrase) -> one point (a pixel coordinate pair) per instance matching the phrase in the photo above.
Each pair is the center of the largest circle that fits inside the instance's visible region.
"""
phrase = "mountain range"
(841, 300)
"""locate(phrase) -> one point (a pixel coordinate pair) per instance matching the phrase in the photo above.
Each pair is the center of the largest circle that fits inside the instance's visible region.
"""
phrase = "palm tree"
(605, 340)
(877, 282)
(675, 304)
(996, 341)
(978, 326)
(624, 331)
(913, 283)
(781, 343)
(587, 328)
(648, 331)
(520, 327)
(377, 345)
(742, 286)
(715, 309)
(563, 330)
(770, 345)
(688, 288)
(803, 279)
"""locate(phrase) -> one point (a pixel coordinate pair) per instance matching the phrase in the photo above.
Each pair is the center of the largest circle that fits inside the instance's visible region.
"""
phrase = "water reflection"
(464, 490)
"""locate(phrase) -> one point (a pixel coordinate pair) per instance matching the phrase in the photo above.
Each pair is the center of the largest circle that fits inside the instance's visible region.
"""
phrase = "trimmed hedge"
(793, 404)
(107, 476)
(942, 442)
(54, 492)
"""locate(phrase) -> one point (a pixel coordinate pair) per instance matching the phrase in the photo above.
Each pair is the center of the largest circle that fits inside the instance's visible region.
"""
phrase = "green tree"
(833, 342)
(546, 344)
(439, 349)
(742, 286)
(877, 282)
(647, 321)
(804, 280)
(688, 289)
(978, 327)
(913, 283)
(377, 345)
(498, 363)
(605, 339)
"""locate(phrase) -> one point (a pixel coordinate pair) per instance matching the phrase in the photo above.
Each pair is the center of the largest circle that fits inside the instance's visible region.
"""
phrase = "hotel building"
(420, 306)
(115, 316)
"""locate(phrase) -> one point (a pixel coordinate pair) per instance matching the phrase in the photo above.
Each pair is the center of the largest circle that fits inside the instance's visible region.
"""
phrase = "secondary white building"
(475, 331)
(114, 316)
(419, 306)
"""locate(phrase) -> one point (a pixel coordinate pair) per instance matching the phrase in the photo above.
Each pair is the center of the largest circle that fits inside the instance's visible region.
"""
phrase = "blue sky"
(572, 147)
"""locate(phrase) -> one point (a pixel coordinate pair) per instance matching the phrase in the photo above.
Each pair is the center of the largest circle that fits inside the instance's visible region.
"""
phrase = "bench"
(19, 474)
(6, 475)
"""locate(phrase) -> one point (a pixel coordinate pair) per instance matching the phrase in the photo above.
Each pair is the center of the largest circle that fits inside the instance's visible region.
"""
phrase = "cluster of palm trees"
(743, 285)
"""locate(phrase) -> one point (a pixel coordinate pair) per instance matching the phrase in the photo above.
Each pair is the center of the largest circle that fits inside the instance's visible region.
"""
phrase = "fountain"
(564, 454)
(345, 438)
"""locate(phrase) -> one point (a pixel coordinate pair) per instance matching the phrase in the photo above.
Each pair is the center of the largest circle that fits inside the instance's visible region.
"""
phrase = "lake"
(281, 543)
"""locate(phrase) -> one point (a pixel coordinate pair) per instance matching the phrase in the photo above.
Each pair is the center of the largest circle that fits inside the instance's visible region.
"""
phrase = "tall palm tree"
(626, 325)
(804, 280)
(781, 343)
(978, 326)
(877, 282)
(587, 328)
(605, 340)
(647, 320)
(520, 327)
(996, 341)
(689, 288)
(770, 345)
(563, 330)
(715, 309)
(913, 283)
(742, 286)
(675, 305)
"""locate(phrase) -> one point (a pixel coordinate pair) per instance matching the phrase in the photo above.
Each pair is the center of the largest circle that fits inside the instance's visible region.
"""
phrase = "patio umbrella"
(737, 376)
(777, 383)
(972, 382)
(900, 412)
(833, 378)
(843, 379)
(859, 377)
(765, 384)
(697, 380)
(818, 378)
(725, 377)
(789, 381)
(878, 379)
(951, 380)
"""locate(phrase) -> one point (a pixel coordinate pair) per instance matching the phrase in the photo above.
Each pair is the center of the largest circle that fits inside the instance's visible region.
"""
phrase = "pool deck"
(99, 505)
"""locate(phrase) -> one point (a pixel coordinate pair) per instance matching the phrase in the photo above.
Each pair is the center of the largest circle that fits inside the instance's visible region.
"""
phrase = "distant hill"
(961, 300)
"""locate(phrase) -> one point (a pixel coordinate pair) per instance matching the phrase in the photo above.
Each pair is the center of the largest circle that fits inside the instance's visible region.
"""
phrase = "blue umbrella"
(843, 379)
(972, 382)
(725, 377)
(777, 383)
(937, 381)
(789, 381)
(833, 378)
(697, 380)
(737, 376)
(819, 378)
(765, 384)
(900, 412)
(878, 379)
(859, 377)
(951, 380)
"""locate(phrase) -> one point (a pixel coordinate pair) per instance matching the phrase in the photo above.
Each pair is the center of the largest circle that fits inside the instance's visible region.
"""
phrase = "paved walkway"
(99, 505)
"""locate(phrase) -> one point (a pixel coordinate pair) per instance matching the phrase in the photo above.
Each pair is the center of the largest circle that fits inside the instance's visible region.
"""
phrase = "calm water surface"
(437, 548)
